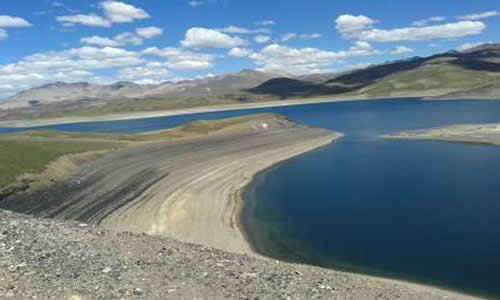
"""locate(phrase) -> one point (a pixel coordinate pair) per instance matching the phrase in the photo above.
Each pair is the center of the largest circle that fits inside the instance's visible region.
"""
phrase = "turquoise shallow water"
(421, 211)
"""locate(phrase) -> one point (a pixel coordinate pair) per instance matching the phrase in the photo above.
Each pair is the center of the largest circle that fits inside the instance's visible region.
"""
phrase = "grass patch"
(434, 75)
(31, 151)
(20, 156)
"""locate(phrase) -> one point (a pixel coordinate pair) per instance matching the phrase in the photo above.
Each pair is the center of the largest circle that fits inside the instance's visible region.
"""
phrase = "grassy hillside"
(435, 78)
(20, 155)
(473, 73)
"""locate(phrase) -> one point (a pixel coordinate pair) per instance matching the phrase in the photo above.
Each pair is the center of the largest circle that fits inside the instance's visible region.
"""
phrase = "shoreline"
(222, 185)
(28, 123)
(418, 286)
(22, 123)
(485, 134)
(239, 194)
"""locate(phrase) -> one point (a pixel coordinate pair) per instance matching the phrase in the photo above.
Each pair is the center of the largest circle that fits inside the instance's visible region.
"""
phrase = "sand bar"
(473, 133)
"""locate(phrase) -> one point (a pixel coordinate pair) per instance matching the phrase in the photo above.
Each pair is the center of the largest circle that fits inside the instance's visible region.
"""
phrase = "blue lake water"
(416, 210)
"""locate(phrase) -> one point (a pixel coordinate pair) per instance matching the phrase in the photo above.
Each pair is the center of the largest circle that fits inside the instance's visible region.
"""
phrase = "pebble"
(138, 292)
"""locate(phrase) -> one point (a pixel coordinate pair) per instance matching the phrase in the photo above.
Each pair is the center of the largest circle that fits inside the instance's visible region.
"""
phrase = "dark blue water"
(417, 210)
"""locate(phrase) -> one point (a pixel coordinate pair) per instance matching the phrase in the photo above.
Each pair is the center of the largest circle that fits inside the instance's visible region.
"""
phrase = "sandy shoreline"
(188, 189)
(213, 108)
(488, 134)
(176, 112)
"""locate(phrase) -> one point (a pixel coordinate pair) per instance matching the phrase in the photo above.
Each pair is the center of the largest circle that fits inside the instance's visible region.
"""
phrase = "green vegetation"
(31, 151)
(438, 75)
(19, 155)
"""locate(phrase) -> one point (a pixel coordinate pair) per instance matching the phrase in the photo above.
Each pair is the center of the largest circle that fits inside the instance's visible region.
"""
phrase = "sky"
(152, 41)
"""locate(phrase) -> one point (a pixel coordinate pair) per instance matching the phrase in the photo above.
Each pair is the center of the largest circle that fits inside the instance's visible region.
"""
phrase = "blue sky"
(151, 41)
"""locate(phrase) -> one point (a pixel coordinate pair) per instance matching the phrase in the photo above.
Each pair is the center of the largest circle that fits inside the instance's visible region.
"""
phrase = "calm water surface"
(420, 211)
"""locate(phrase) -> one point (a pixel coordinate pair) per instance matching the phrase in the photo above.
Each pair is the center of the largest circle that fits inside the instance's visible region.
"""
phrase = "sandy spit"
(469, 133)
(187, 189)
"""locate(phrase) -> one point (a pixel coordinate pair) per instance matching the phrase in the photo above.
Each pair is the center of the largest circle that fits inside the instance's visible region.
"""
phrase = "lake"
(416, 210)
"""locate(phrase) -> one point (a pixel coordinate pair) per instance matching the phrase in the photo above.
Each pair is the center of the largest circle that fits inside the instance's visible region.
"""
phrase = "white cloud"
(87, 20)
(306, 60)
(119, 12)
(349, 25)
(128, 38)
(261, 39)
(361, 28)
(198, 37)
(424, 22)
(240, 52)
(74, 64)
(125, 38)
(152, 73)
(240, 30)
(444, 31)
(149, 32)
(402, 50)
(99, 41)
(265, 23)
(13, 22)
(195, 3)
(479, 16)
(181, 59)
(114, 11)
(288, 36)
(310, 36)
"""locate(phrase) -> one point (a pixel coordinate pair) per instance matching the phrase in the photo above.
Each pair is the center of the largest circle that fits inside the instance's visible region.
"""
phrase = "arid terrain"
(478, 133)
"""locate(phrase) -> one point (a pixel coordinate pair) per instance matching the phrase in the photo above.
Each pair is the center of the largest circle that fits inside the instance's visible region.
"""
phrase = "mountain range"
(473, 73)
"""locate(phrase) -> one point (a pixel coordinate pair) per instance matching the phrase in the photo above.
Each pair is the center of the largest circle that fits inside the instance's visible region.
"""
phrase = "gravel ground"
(53, 259)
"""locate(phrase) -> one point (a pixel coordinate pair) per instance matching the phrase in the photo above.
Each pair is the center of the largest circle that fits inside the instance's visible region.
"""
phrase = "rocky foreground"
(52, 259)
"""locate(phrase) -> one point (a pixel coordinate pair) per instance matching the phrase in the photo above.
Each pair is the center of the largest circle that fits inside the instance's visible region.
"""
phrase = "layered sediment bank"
(188, 188)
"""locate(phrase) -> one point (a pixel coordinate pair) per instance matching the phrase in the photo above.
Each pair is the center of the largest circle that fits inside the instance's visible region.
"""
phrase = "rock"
(138, 292)
(106, 270)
